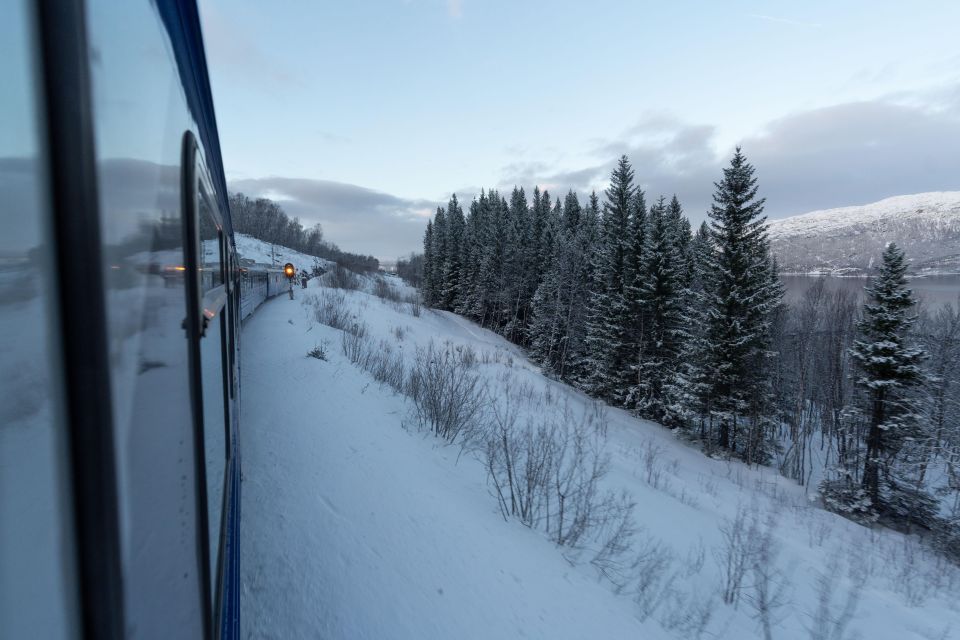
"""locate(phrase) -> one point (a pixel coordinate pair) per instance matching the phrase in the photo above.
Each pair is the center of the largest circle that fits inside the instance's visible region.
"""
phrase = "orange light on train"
(289, 270)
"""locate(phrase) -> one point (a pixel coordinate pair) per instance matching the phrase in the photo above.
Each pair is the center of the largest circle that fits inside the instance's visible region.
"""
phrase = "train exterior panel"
(120, 308)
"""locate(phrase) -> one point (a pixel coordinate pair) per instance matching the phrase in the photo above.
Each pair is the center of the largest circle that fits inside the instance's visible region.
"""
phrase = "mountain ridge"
(849, 240)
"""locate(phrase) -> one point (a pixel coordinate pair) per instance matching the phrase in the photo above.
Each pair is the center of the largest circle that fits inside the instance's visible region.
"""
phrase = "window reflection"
(212, 351)
(36, 554)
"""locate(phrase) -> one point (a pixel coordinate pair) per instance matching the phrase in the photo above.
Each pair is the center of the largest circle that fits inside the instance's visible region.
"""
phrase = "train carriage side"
(119, 330)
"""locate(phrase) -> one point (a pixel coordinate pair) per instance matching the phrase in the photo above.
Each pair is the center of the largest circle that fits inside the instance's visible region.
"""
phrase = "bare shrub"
(467, 355)
(353, 342)
(386, 367)
(834, 611)
(341, 278)
(448, 398)
(734, 556)
(653, 465)
(769, 589)
(330, 308)
(654, 575)
(546, 472)
(319, 352)
(688, 615)
(696, 558)
(383, 290)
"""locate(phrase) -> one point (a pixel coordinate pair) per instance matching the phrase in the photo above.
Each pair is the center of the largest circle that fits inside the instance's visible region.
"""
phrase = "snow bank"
(355, 525)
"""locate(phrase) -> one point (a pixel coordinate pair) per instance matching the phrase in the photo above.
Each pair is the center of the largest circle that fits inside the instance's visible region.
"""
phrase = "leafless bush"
(688, 614)
(736, 553)
(319, 352)
(652, 463)
(518, 460)
(341, 278)
(696, 557)
(448, 397)
(653, 568)
(353, 341)
(546, 472)
(769, 589)
(383, 290)
(833, 613)
(386, 367)
(330, 308)
(398, 333)
(467, 355)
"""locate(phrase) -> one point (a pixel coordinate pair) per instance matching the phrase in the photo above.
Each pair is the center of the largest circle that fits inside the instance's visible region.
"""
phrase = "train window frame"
(204, 307)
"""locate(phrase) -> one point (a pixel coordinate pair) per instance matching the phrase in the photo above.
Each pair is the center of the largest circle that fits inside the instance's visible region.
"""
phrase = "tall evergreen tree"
(694, 384)
(888, 368)
(429, 285)
(741, 295)
(450, 292)
(609, 321)
(439, 257)
(660, 291)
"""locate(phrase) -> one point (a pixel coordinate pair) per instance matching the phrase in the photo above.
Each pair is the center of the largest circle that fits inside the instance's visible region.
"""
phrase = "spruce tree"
(429, 286)
(609, 321)
(577, 358)
(741, 294)
(888, 368)
(693, 380)
(453, 260)
(660, 290)
(439, 257)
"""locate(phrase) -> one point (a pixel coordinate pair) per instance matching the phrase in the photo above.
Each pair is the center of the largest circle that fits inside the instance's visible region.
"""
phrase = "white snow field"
(355, 524)
(275, 255)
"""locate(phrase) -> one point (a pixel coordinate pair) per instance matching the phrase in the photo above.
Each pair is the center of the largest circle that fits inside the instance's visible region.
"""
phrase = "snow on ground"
(356, 525)
(274, 254)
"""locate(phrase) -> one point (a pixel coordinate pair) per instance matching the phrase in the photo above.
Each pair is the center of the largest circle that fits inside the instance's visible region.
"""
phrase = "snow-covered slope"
(357, 525)
(265, 253)
(849, 240)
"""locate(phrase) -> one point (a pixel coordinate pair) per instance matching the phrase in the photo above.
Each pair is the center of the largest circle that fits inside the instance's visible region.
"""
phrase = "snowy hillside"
(265, 253)
(358, 522)
(849, 240)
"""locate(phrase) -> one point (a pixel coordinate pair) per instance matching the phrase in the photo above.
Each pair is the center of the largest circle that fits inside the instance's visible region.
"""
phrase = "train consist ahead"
(120, 310)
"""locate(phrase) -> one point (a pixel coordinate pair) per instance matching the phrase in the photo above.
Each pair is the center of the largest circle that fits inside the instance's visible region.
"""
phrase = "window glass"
(36, 554)
(212, 349)
(140, 117)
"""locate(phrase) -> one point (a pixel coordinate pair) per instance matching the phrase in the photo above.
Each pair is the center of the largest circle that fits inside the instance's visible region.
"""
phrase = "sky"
(365, 116)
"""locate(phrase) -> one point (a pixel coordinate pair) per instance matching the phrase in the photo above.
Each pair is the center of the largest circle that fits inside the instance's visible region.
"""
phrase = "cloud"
(356, 218)
(846, 154)
(232, 51)
(855, 153)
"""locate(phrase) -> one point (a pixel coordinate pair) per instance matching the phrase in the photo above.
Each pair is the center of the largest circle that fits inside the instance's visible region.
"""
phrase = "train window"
(214, 366)
(139, 120)
(36, 553)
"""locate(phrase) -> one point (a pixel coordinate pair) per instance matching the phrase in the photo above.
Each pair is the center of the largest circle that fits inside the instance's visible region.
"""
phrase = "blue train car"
(119, 328)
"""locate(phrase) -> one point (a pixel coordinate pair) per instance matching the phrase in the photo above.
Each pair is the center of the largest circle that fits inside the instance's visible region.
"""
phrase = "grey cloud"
(855, 153)
(842, 155)
(355, 218)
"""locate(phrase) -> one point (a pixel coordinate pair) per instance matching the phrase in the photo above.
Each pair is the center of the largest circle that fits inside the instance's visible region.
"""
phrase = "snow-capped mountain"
(849, 240)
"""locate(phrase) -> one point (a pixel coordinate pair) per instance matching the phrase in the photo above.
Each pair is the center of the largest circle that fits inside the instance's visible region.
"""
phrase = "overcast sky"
(365, 116)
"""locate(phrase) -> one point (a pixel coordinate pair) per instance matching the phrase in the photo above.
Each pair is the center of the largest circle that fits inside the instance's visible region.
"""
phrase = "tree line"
(266, 220)
(624, 300)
